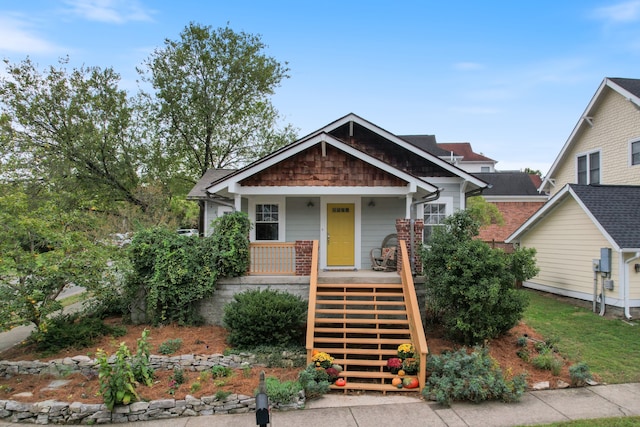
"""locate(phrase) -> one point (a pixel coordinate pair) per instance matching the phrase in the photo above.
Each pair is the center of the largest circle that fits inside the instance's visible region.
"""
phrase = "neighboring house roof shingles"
(199, 191)
(616, 208)
(426, 143)
(631, 85)
(508, 184)
(464, 150)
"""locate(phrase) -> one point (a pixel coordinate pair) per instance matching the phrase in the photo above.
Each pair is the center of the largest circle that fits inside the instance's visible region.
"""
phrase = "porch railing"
(272, 258)
(413, 314)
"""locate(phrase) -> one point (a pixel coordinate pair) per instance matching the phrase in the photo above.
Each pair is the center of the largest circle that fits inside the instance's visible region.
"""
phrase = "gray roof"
(616, 208)
(426, 143)
(508, 184)
(631, 85)
(210, 176)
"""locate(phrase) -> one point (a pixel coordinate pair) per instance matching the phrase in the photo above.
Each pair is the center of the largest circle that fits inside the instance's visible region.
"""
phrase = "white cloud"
(17, 36)
(628, 11)
(109, 11)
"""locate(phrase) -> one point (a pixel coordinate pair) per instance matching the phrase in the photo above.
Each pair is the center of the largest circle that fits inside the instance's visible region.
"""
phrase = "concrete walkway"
(338, 410)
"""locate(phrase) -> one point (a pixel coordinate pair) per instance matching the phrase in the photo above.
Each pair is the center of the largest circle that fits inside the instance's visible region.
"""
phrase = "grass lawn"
(600, 422)
(610, 347)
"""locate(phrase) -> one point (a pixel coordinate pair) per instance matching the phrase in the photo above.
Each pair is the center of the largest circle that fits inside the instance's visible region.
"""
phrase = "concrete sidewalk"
(338, 410)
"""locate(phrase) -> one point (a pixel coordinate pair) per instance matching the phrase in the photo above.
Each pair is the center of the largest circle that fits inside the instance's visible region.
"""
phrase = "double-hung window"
(267, 221)
(434, 216)
(588, 168)
(635, 153)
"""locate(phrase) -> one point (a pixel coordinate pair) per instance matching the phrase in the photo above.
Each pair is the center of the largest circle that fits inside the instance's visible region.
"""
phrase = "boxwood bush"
(258, 317)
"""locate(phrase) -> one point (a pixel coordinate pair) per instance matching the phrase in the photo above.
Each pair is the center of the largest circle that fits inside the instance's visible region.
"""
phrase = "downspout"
(627, 314)
(429, 198)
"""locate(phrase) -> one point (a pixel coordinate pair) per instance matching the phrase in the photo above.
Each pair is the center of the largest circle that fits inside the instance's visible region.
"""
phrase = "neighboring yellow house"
(595, 205)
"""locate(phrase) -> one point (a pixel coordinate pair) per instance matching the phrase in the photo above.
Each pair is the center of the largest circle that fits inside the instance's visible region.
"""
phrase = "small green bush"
(282, 393)
(547, 360)
(72, 331)
(314, 382)
(141, 365)
(220, 371)
(117, 382)
(474, 376)
(170, 346)
(580, 374)
(258, 317)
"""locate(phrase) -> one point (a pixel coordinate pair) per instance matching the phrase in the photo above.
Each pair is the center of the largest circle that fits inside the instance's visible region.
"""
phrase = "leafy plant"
(219, 371)
(473, 376)
(222, 395)
(547, 360)
(170, 346)
(470, 286)
(580, 374)
(117, 382)
(266, 316)
(282, 393)
(196, 386)
(231, 243)
(141, 365)
(314, 382)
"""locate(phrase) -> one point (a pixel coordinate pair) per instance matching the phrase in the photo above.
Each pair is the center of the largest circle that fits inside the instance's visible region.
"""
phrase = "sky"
(511, 77)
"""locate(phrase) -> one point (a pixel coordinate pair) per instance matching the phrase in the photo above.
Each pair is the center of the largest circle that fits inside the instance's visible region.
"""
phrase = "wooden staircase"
(361, 326)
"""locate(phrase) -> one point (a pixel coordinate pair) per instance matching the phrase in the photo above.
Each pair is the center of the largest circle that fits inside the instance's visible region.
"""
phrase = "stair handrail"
(311, 310)
(416, 330)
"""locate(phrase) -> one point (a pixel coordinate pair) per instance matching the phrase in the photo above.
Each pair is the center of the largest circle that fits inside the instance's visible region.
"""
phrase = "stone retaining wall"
(55, 412)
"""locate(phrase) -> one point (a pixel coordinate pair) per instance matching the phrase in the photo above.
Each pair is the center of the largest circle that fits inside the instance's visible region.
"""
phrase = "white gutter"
(625, 273)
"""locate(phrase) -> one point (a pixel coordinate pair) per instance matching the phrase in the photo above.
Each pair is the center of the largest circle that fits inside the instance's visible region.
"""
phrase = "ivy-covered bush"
(230, 240)
(474, 377)
(470, 286)
(258, 317)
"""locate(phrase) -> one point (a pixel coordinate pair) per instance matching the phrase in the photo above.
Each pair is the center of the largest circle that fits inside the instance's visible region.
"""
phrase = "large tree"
(212, 96)
(71, 130)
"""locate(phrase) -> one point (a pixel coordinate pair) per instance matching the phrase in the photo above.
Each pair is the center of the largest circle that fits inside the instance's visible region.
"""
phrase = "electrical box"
(595, 265)
(605, 260)
(608, 284)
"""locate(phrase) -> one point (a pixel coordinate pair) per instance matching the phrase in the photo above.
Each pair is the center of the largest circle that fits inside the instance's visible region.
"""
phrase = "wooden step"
(359, 321)
(373, 387)
(359, 302)
(358, 351)
(348, 313)
(368, 331)
(321, 286)
(360, 294)
(370, 341)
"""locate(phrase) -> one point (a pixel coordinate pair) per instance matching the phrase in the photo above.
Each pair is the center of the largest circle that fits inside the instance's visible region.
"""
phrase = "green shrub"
(72, 331)
(547, 360)
(257, 317)
(470, 286)
(231, 243)
(580, 374)
(170, 346)
(220, 371)
(222, 394)
(314, 382)
(474, 376)
(282, 393)
(141, 365)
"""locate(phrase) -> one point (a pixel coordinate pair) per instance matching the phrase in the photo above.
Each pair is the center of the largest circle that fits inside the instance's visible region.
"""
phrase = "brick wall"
(403, 228)
(514, 214)
(304, 250)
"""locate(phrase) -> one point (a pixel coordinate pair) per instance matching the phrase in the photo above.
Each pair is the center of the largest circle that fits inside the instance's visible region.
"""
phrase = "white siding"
(377, 222)
(303, 221)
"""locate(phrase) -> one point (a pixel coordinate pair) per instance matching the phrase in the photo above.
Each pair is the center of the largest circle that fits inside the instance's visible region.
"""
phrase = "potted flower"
(394, 364)
(411, 365)
(322, 360)
(405, 350)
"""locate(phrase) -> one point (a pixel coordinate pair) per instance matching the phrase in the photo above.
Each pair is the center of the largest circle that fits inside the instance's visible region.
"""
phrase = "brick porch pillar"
(403, 228)
(304, 249)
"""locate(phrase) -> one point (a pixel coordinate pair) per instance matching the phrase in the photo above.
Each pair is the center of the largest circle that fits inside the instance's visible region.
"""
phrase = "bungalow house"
(586, 235)
(344, 185)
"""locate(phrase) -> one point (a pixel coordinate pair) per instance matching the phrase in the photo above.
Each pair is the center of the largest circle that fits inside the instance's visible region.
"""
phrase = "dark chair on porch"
(384, 258)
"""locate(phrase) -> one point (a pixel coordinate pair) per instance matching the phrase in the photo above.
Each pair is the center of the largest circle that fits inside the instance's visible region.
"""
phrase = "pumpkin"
(314, 352)
(396, 381)
(401, 373)
(410, 383)
(341, 382)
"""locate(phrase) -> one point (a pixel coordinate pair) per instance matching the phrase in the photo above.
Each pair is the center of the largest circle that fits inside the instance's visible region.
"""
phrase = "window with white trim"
(267, 221)
(588, 168)
(635, 153)
(434, 216)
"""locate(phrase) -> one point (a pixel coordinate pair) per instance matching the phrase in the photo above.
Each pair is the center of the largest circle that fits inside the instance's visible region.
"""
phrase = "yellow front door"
(340, 234)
